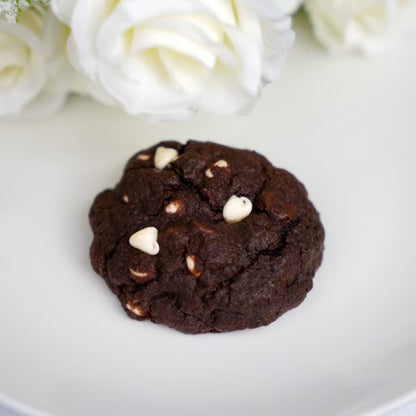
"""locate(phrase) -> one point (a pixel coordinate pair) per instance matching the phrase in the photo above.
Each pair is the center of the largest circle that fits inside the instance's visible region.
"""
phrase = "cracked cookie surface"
(208, 275)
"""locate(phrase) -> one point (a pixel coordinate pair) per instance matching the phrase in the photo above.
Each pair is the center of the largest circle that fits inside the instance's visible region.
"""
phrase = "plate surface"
(346, 127)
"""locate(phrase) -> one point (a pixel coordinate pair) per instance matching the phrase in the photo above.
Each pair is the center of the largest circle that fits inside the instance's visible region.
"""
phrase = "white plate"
(346, 127)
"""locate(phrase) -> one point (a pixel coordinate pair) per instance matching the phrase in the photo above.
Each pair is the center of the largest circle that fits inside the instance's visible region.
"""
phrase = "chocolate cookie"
(206, 238)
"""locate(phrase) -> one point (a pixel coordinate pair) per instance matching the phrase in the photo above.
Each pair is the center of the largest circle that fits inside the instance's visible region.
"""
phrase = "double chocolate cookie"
(206, 238)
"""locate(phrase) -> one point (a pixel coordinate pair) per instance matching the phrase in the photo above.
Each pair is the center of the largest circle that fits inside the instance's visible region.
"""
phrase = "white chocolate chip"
(143, 156)
(140, 275)
(220, 164)
(126, 199)
(174, 207)
(236, 209)
(163, 156)
(137, 310)
(191, 265)
(146, 240)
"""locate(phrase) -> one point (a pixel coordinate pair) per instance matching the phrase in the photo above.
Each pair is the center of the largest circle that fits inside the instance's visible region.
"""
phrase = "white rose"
(167, 59)
(348, 25)
(33, 68)
(291, 6)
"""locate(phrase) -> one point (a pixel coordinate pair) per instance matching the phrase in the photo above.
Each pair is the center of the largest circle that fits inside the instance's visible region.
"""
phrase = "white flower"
(167, 59)
(10, 9)
(348, 25)
(34, 73)
(291, 6)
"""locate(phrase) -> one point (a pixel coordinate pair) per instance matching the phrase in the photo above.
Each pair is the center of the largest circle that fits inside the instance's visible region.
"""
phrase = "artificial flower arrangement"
(166, 59)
